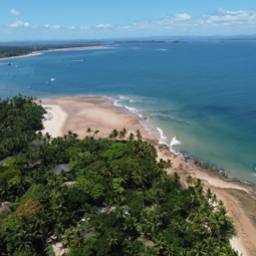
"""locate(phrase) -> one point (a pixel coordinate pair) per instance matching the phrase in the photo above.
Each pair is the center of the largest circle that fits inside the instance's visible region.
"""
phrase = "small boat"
(52, 79)
(9, 64)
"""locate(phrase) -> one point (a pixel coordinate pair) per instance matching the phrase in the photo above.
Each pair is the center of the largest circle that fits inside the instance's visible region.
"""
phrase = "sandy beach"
(84, 48)
(98, 113)
(21, 56)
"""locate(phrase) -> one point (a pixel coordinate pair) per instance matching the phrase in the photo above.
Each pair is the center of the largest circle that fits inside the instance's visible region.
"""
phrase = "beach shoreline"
(83, 48)
(99, 113)
(21, 56)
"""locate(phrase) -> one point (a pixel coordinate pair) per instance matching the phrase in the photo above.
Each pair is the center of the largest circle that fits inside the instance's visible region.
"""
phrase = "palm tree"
(160, 244)
(214, 222)
(122, 133)
(89, 130)
(199, 185)
(214, 199)
(138, 135)
(113, 239)
(95, 132)
(148, 251)
(76, 239)
(189, 180)
(106, 171)
(142, 230)
(131, 137)
(24, 244)
(113, 134)
(175, 178)
(208, 194)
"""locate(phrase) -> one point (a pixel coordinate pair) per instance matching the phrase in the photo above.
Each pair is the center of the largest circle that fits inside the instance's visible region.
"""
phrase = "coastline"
(98, 113)
(84, 48)
(20, 56)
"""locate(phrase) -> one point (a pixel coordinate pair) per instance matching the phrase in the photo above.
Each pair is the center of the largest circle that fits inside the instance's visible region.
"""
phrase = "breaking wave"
(117, 104)
(163, 138)
(133, 110)
(173, 143)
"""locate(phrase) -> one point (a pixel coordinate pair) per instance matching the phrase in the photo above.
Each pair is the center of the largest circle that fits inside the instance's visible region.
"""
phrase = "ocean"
(198, 96)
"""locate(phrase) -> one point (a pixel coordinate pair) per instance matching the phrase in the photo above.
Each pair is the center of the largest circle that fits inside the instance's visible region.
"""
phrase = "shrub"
(9, 174)
(30, 207)
(35, 193)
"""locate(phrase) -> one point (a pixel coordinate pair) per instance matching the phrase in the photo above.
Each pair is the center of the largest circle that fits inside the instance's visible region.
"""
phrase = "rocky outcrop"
(5, 206)
(206, 166)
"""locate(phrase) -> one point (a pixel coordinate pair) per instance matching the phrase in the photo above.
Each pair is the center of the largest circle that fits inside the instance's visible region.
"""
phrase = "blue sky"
(97, 19)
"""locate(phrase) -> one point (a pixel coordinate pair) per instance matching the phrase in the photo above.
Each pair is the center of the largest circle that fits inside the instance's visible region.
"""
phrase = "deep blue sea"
(204, 93)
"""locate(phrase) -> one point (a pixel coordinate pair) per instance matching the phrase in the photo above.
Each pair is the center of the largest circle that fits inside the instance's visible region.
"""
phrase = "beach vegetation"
(121, 201)
(7, 51)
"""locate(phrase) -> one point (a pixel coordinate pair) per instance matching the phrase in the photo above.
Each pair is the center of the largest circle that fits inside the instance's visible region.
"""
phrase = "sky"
(102, 19)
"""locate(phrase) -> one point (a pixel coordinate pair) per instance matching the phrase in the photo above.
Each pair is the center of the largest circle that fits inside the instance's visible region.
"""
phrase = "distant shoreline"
(82, 48)
(20, 56)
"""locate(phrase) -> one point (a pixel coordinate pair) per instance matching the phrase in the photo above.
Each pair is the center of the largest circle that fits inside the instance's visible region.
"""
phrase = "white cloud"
(49, 26)
(103, 26)
(26, 24)
(15, 13)
(221, 21)
(19, 24)
(84, 28)
(183, 16)
(220, 18)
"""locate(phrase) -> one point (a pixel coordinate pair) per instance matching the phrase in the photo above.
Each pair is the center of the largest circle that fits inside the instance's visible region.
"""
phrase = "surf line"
(163, 140)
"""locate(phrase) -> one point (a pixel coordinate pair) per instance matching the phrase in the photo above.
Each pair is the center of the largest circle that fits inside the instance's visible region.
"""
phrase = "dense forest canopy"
(19, 50)
(111, 196)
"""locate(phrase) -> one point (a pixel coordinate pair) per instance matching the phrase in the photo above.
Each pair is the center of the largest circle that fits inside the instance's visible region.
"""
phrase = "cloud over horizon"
(219, 22)
(19, 24)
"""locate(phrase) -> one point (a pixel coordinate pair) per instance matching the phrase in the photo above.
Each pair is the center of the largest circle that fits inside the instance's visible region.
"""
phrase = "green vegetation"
(19, 50)
(121, 201)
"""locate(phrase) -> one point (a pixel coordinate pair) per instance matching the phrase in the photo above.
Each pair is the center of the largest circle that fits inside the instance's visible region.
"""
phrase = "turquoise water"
(203, 93)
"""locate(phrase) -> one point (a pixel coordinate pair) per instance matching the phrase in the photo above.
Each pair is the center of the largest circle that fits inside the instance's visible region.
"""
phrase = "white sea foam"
(132, 101)
(161, 49)
(163, 138)
(117, 105)
(133, 110)
(124, 98)
(173, 143)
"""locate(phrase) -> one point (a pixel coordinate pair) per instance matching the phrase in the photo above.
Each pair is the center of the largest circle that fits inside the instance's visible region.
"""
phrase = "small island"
(179, 42)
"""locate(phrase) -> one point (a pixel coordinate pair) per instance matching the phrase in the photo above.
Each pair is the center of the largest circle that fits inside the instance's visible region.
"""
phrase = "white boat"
(52, 79)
